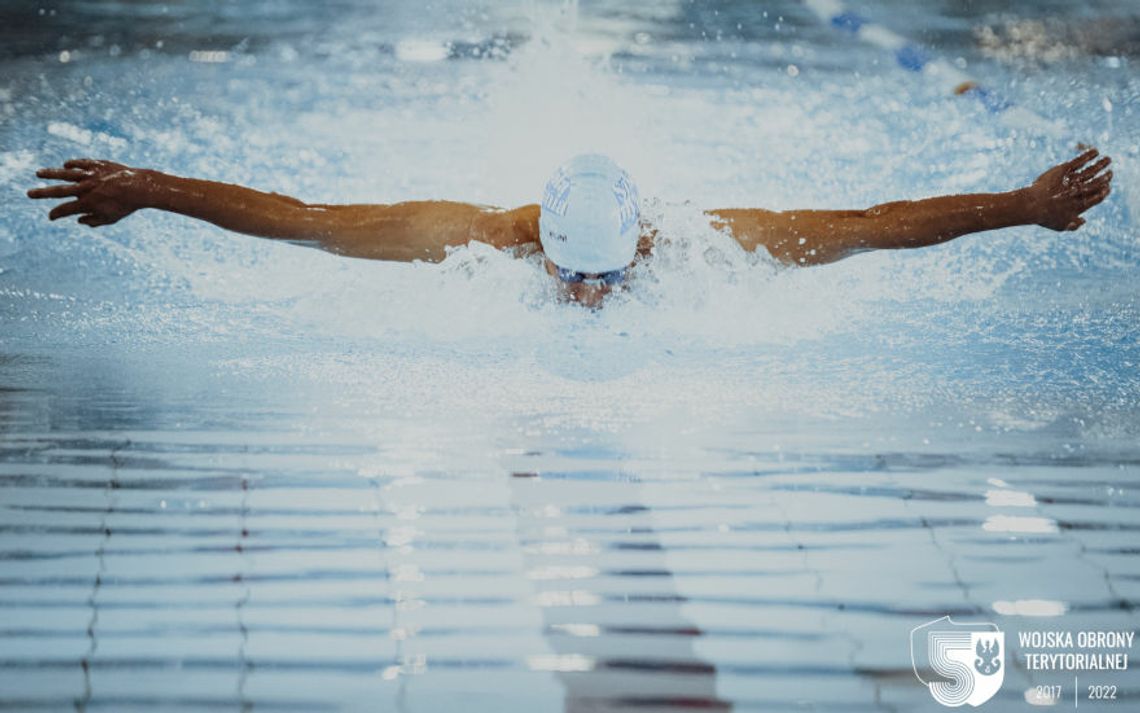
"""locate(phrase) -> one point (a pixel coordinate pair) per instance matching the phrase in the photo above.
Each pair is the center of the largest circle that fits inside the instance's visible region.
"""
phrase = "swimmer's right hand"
(1059, 196)
(104, 192)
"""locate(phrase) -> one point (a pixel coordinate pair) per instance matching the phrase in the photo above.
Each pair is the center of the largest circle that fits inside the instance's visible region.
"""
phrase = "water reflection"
(1030, 607)
(263, 558)
(619, 640)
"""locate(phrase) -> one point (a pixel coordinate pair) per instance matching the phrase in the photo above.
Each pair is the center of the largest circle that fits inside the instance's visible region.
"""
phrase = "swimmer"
(588, 226)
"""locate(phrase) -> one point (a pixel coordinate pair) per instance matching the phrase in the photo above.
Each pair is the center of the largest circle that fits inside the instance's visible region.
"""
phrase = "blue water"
(244, 475)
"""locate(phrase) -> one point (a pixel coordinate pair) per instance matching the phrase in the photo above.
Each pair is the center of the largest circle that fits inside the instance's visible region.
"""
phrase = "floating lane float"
(913, 57)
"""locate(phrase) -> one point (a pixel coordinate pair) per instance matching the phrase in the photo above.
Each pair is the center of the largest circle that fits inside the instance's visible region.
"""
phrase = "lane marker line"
(913, 57)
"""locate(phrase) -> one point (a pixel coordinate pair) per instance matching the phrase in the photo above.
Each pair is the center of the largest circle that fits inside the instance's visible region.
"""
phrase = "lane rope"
(913, 57)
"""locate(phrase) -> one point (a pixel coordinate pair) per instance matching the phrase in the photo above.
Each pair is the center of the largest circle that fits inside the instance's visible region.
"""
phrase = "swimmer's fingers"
(1082, 159)
(1083, 203)
(63, 174)
(1092, 187)
(1088, 200)
(1092, 169)
(86, 164)
(98, 167)
(1075, 224)
(58, 191)
(65, 209)
(1095, 185)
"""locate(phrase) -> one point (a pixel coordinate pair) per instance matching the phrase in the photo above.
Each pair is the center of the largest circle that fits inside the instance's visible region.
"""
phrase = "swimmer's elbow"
(883, 226)
(885, 210)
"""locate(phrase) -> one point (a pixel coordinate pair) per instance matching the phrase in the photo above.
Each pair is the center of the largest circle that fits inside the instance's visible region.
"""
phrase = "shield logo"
(958, 663)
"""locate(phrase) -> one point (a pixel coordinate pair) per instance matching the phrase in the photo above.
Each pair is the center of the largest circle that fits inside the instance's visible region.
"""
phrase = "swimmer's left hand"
(105, 192)
(1059, 196)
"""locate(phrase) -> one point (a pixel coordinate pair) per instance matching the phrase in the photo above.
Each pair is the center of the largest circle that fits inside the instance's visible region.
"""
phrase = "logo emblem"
(626, 194)
(557, 193)
(959, 663)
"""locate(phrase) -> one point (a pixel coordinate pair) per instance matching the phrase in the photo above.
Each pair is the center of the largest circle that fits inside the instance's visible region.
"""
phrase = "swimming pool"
(243, 475)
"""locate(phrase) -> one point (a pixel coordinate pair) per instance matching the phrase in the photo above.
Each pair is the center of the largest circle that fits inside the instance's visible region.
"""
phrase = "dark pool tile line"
(210, 478)
(1079, 484)
(125, 446)
(222, 483)
(1128, 551)
(372, 535)
(584, 511)
(631, 599)
(664, 667)
(793, 463)
(121, 553)
(735, 547)
(374, 543)
(647, 702)
(424, 511)
(370, 666)
(685, 703)
(183, 477)
(379, 575)
(1050, 460)
(213, 580)
(1017, 558)
(277, 539)
(633, 509)
(175, 515)
(1089, 526)
(108, 581)
(207, 631)
(176, 509)
(879, 491)
(922, 524)
(125, 462)
(365, 631)
(172, 516)
(1001, 543)
(118, 702)
(346, 602)
(887, 609)
(710, 632)
(350, 535)
(1114, 502)
(189, 523)
(905, 493)
(154, 532)
(191, 509)
(506, 545)
(682, 573)
(228, 548)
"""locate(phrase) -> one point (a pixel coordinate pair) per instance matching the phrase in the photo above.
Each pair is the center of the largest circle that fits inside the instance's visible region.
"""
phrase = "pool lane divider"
(913, 57)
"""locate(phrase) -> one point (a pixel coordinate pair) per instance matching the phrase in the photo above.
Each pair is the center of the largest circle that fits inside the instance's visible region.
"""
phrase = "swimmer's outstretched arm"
(104, 192)
(1055, 200)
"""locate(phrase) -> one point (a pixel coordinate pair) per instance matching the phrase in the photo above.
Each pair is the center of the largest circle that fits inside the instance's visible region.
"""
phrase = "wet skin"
(103, 192)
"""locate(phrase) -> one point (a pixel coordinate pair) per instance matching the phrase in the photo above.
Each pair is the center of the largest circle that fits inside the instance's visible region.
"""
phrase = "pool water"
(245, 475)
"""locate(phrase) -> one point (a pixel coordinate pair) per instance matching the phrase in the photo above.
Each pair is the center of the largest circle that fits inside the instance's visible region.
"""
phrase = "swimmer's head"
(589, 226)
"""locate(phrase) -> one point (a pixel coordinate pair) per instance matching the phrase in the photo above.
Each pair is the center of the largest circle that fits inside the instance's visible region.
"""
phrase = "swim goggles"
(610, 278)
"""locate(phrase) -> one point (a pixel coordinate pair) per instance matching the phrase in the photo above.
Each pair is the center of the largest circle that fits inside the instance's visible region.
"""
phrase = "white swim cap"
(589, 218)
